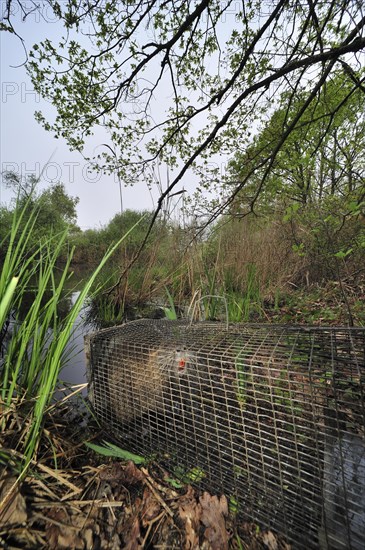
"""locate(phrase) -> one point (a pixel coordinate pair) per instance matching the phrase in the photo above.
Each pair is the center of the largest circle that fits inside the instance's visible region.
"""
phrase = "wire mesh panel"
(272, 416)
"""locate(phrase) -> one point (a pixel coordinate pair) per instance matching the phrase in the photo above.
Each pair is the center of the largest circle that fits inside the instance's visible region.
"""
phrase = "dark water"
(74, 372)
(88, 320)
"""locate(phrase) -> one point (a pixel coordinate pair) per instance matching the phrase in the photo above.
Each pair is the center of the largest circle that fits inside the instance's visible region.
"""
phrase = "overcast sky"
(26, 148)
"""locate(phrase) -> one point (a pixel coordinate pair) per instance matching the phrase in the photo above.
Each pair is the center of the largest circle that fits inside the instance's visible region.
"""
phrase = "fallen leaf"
(60, 532)
(132, 474)
(190, 513)
(214, 511)
(111, 472)
(14, 511)
(151, 507)
(270, 540)
(133, 538)
(69, 539)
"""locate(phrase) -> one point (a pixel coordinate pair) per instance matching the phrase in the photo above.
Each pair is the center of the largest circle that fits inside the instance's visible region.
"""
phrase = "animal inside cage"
(272, 416)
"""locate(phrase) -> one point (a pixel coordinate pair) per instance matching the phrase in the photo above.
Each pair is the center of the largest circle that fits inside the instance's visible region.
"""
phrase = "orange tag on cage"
(182, 364)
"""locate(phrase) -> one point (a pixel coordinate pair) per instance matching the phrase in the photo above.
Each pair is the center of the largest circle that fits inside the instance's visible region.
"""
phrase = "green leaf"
(113, 450)
(342, 254)
(174, 482)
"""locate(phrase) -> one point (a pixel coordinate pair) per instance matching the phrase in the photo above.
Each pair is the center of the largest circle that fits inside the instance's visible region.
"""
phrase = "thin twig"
(148, 480)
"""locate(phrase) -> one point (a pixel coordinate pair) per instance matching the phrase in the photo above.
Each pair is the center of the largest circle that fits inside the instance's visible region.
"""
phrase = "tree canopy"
(55, 210)
(322, 158)
(184, 82)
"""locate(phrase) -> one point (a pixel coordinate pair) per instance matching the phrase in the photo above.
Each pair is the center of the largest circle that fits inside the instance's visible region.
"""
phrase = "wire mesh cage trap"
(272, 416)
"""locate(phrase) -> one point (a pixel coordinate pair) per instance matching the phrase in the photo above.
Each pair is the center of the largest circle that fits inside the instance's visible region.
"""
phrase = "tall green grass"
(170, 312)
(242, 305)
(219, 298)
(35, 353)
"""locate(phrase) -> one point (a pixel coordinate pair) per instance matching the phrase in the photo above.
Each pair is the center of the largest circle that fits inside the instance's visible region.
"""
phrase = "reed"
(170, 312)
(35, 352)
(104, 311)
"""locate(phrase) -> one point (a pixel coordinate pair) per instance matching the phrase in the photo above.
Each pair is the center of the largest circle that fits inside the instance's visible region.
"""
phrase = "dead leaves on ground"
(14, 508)
(214, 512)
(190, 513)
(112, 507)
(207, 511)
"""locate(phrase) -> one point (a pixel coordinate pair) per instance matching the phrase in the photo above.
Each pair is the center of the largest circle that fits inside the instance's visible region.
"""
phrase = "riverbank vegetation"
(275, 266)
(259, 266)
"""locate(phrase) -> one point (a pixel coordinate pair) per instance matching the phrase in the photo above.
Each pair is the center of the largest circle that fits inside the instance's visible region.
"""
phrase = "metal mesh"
(272, 416)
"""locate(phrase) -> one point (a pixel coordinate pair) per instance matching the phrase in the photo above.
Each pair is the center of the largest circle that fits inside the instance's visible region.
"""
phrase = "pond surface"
(74, 372)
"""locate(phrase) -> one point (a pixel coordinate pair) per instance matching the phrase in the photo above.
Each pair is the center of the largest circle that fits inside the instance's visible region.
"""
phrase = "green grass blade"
(6, 300)
(170, 312)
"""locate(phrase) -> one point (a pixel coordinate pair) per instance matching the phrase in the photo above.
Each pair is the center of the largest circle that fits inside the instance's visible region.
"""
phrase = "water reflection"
(74, 372)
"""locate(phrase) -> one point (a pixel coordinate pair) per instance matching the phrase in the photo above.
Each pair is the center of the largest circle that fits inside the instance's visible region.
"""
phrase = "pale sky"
(26, 148)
